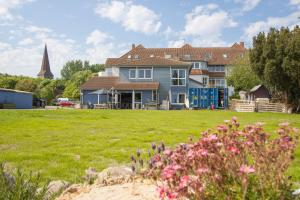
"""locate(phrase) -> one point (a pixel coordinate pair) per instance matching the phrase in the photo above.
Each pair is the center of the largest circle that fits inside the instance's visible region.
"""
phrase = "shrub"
(227, 164)
(18, 186)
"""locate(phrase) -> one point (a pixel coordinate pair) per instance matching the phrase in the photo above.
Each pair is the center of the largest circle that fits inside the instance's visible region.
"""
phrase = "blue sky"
(96, 29)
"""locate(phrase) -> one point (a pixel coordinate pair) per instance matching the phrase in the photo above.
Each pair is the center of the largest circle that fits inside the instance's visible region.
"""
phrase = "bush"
(227, 164)
(19, 186)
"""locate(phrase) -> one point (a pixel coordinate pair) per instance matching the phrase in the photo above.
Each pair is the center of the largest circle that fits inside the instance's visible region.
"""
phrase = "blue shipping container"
(203, 98)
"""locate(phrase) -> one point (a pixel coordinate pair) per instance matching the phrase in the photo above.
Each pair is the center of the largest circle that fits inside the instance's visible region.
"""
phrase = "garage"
(15, 99)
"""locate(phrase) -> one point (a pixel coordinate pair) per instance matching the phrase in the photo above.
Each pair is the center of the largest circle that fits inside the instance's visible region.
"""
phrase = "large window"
(178, 77)
(132, 74)
(216, 68)
(217, 82)
(200, 65)
(144, 73)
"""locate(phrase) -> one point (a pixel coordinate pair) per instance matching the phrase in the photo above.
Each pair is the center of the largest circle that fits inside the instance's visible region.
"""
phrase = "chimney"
(133, 46)
(242, 44)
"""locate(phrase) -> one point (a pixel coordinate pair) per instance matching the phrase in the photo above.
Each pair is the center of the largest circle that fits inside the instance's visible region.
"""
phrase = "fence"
(260, 105)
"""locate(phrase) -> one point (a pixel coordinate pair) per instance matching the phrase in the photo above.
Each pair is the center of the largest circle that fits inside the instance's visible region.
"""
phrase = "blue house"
(160, 77)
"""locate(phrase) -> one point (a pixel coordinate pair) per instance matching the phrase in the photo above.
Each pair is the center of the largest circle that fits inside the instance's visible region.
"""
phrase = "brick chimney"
(133, 46)
(242, 44)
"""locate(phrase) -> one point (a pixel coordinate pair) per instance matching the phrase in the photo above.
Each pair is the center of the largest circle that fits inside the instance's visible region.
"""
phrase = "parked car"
(66, 104)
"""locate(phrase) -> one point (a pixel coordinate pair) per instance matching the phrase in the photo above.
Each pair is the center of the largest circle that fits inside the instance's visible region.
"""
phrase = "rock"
(10, 179)
(55, 187)
(297, 192)
(114, 175)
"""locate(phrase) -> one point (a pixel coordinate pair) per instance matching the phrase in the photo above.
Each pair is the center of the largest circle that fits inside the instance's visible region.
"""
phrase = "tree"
(241, 75)
(28, 85)
(72, 86)
(73, 66)
(275, 58)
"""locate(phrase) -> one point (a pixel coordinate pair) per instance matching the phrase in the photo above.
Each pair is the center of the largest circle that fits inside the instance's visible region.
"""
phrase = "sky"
(94, 30)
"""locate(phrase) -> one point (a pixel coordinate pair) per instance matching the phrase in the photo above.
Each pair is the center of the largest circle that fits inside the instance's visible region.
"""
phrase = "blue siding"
(93, 98)
(21, 100)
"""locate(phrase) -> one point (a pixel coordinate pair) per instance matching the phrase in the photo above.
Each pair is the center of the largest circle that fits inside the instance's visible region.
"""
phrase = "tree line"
(274, 61)
(73, 74)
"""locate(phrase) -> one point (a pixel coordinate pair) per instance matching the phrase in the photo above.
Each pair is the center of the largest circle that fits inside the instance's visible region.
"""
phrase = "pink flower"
(202, 171)
(191, 154)
(212, 137)
(162, 192)
(184, 181)
(247, 169)
(234, 150)
(280, 131)
(222, 128)
(203, 152)
(172, 195)
(168, 172)
(234, 119)
(168, 152)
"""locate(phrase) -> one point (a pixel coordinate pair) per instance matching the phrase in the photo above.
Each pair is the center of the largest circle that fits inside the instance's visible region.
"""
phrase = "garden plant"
(228, 163)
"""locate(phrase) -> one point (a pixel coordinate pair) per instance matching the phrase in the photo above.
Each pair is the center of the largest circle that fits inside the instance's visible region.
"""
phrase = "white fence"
(260, 105)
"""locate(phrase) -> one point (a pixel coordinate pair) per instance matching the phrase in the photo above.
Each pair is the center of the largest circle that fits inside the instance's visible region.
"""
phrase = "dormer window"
(136, 56)
(187, 56)
(168, 56)
(129, 56)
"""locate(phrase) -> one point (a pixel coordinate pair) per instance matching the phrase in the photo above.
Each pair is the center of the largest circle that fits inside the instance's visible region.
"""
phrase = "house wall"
(92, 98)
(21, 100)
(161, 75)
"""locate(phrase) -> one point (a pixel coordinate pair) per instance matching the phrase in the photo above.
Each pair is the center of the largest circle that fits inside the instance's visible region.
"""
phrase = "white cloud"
(248, 4)
(4, 45)
(132, 17)
(276, 22)
(7, 5)
(176, 43)
(102, 46)
(206, 23)
(295, 3)
(26, 41)
(97, 37)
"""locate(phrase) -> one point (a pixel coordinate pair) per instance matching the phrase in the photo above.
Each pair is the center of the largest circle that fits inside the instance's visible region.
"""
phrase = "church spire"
(45, 68)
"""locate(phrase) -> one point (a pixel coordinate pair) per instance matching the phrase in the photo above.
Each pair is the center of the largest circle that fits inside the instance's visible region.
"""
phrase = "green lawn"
(51, 141)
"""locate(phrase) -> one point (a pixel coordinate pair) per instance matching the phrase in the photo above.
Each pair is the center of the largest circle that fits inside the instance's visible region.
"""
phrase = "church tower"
(45, 68)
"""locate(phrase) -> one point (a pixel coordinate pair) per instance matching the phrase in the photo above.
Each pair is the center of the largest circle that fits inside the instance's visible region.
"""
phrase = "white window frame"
(130, 73)
(168, 56)
(178, 77)
(138, 70)
(194, 65)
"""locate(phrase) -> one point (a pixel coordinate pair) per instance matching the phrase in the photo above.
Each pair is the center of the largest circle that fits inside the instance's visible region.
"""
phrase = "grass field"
(61, 144)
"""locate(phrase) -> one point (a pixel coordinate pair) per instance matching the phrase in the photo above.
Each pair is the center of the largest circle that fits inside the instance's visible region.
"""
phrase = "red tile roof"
(95, 83)
(187, 53)
(152, 61)
(137, 86)
(199, 72)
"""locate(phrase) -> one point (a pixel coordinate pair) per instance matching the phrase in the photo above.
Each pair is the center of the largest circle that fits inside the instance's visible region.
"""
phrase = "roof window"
(136, 56)
(129, 56)
(151, 55)
(168, 56)
(225, 55)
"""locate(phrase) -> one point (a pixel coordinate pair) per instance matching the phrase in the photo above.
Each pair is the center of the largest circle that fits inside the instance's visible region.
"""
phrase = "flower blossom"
(184, 181)
(247, 169)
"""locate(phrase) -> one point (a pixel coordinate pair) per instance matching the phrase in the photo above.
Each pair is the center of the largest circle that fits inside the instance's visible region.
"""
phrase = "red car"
(66, 104)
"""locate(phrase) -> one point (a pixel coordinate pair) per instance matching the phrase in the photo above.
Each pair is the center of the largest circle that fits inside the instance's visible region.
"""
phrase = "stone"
(114, 175)
(55, 187)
